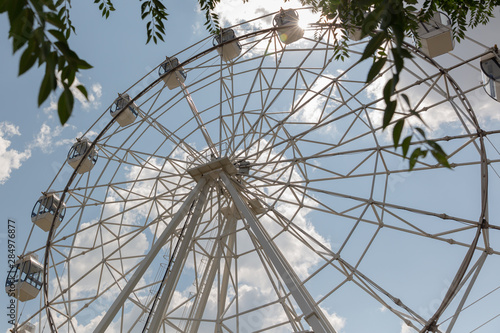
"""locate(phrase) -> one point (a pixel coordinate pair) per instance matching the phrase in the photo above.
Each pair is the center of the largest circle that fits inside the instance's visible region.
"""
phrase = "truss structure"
(262, 194)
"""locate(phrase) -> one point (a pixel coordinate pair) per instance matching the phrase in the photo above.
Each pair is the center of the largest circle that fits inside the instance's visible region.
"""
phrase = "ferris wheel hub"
(212, 169)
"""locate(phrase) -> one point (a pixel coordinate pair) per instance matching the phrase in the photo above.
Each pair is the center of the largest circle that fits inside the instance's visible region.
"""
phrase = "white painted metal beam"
(460, 306)
(209, 278)
(173, 276)
(312, 313)
(226, 272)
(197, 116)
(148, 259)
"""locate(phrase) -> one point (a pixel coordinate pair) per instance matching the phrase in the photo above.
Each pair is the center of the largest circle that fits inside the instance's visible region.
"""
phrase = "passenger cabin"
(77, 152)
(125, 117)
(287, 22)
(490, 65)
(354, 33)
(231, 48)
(174, 79)
(243, 167)
(24, 279)
(45, 210)
(436, 36)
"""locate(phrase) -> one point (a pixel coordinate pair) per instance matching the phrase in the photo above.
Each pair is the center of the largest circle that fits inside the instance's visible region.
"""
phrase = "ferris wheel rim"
(111, 122)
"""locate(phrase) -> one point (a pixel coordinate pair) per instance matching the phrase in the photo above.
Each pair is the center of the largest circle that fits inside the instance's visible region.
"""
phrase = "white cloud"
(337, 322)
(313, 111)
(94, 94)
(49, 109)
(406, 329)
(233, 11)
(10, 159)
(45, 138)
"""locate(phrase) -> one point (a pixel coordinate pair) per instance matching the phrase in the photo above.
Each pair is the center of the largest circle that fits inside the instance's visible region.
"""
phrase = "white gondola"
(354, 33)
(24, 279)
(44, 211)
(127, 116)
(436, 36)
(174, 79)
(243, 167)
(287, 22)
(77, 152)
(231, 48)
(490, 65)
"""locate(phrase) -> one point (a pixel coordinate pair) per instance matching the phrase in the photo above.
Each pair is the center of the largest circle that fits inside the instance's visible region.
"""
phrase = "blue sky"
(33, 146)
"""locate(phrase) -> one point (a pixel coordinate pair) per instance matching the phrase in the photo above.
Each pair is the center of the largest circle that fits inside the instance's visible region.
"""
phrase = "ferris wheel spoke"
(330, 257)
(402, 225)
(277, 285)
(311, 217)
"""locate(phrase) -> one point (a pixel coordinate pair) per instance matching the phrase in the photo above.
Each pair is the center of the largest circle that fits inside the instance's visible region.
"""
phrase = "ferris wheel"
(250, 187)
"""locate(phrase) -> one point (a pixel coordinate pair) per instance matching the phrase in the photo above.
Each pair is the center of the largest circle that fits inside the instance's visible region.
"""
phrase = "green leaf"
(15, 9)
(83, 90)
(396, 132)
(65, 105)
(398, 60)
(82, 64)
(415, 155)
(48, 84)
(53, 19)
(373, 45)
(405, 53)
(159, 35)
(64, 48)
(21, 31)
(405, 145)
(27, 60)
(421, 131)
(61, 11)
(407, 100)
(371, 21)
(388, 113)
(441, 158)
(68, 75)
(388, 90)
(58, 35)
(375, 69)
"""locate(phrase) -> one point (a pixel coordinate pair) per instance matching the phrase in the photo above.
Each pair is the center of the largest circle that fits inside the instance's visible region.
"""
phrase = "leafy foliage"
(156, 12)
(388, 22)
(211, 18)
(105, 6)
(43, 29)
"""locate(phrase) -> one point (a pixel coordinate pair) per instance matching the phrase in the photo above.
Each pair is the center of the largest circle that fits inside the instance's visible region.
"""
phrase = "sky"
(33, 144)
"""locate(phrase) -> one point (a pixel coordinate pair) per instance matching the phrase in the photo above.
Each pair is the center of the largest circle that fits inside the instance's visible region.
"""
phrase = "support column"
(208, 280)
(312, 313)
(173, 277)
(148, 259)
(227, 270)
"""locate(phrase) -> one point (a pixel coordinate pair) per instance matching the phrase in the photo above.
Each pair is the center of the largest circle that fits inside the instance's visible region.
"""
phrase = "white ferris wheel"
(248, 186)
